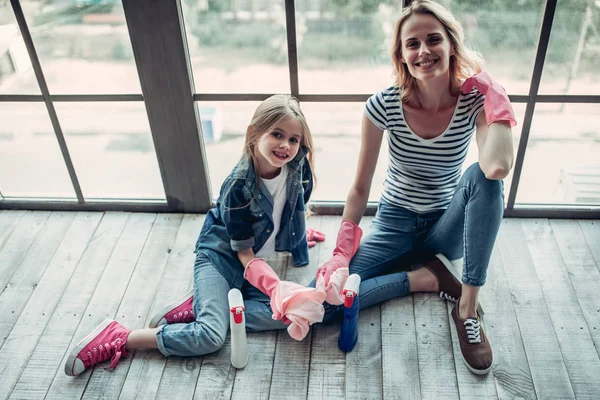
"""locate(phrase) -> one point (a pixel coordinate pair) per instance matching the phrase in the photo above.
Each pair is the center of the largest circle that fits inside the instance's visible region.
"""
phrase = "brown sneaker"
(475, 348)
(450, 287)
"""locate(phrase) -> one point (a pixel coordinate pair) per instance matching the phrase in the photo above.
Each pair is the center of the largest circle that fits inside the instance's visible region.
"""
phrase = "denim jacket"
(243, 218)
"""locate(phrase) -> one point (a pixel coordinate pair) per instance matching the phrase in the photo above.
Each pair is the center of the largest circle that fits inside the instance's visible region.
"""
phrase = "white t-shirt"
(277, 189)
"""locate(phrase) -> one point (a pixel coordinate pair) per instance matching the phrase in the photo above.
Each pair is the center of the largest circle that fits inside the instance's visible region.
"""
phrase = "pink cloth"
(333, 289)
(291, 302)
(298, 305)
(313, 236)
(496, 104)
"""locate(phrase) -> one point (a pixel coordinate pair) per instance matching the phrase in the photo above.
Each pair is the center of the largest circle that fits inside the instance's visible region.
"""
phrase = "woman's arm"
(356, 203)
(495, 147)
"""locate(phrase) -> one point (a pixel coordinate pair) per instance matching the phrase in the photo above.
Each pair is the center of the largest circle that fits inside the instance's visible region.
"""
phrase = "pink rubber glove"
(346, 245)
(496, 104)
(292, 303)
(313, 236)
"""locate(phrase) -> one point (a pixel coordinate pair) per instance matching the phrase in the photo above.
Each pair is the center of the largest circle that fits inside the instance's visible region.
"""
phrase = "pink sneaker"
(107, 341)
(178, 312)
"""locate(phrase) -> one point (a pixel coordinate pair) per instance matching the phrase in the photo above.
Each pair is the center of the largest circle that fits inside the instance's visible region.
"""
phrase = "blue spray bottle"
(349, 331)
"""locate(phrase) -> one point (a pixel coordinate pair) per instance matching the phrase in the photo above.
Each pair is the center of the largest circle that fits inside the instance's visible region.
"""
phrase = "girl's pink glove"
(496, 104)
(313, 236)
(332, 275)
(292, 303)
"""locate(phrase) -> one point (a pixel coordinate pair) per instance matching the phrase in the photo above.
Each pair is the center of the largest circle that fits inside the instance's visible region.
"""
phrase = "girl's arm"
(356, 203)
(495, 147)
(245, 256)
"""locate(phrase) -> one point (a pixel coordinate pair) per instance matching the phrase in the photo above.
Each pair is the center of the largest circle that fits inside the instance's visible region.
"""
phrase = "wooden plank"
(254, 381)
(364, 378)
(550, 377)
(563, 300)
(434, 347)
(9, 220)
(292, 358)
(400, 363)
(510, 370)
(17, 245)
(106, 298)
(180, 374)
(363, 364)
(471, 386)
(133, 312)
(591, 231)
(30, 326)
(216, 375)
(30, 270)
(45, 361)
(327, 375)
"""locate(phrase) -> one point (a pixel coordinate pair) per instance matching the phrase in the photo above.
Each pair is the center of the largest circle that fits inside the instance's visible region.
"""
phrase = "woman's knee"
(492, 187)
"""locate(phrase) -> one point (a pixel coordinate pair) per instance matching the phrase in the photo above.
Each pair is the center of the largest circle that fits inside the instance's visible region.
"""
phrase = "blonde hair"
(463, 63)
(268, 115)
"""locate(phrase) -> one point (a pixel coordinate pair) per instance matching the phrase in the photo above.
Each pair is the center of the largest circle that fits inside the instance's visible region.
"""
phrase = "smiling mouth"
(426, 64)
(280, 155)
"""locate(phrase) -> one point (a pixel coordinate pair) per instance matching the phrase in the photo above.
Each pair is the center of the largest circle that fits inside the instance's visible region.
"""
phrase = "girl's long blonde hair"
(463, 63)
(268, 115)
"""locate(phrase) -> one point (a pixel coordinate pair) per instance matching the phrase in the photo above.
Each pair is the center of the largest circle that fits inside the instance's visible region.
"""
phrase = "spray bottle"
(237, 324)
(349, 330)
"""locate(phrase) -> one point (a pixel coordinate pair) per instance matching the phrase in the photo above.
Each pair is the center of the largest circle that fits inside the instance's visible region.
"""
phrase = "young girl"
(260, 210)
(439, 100)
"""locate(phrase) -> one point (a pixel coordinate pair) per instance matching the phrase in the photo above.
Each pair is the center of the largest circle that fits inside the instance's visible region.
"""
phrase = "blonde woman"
(440, 99)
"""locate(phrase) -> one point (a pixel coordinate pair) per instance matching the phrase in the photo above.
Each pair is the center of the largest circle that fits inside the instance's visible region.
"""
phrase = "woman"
(440, 99)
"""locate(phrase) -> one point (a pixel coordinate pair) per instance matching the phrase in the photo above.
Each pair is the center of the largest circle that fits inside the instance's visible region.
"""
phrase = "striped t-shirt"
(423, 173)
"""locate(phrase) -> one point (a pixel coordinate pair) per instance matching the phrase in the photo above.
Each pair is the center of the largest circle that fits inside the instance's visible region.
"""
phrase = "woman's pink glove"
(292, 303)
(313, 236)
(333, 274)
(496, 104)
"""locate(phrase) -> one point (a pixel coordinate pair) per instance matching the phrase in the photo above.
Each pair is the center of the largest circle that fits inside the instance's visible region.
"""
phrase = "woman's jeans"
(467, 229)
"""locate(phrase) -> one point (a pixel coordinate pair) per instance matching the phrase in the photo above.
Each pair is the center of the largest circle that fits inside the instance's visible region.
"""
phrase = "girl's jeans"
(467, 229)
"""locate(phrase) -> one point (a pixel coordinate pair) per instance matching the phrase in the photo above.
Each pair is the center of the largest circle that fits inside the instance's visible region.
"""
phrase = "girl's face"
(277, 147)
(426, 47)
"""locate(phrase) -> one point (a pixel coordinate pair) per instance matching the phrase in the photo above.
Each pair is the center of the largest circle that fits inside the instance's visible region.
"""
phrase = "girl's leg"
(257, 310)
(468, 229)
(211, 310)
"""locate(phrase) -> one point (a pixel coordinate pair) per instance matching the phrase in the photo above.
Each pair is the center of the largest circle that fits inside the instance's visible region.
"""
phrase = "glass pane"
(506, 34)
(83, 46)
(16, 75)
(562, 165)
(343, 48)
(571, 65)
(237, 46)
(473, 153)
(224, 128)
(112, 149)
(31, 164)
(336, 129)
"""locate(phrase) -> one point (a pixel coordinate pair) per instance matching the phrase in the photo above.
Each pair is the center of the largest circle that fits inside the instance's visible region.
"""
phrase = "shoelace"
(473, 330)
(113, 350)
(446, 296)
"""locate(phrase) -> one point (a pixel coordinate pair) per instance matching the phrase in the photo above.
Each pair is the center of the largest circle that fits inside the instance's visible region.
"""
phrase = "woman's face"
(426, 47)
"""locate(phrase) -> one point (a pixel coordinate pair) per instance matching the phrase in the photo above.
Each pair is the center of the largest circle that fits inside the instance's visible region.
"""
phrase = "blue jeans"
(466, 229)
(211, 309)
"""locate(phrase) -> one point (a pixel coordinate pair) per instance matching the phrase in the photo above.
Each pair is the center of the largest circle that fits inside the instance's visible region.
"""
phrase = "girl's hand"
(313, 236)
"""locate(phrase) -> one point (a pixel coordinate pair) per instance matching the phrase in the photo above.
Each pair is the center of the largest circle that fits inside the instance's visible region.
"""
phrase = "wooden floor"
(62, 273)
